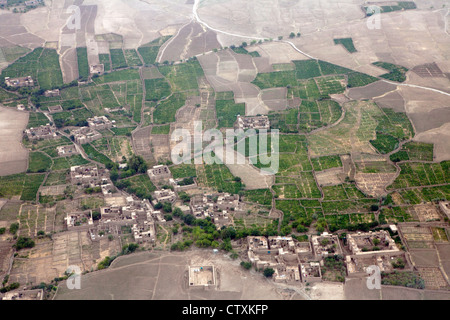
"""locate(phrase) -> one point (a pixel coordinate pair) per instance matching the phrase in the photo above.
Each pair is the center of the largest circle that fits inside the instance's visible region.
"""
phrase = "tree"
(167, 207)
(292, 35)
(24, 242)
(13, 228)
(246, 265)
(268, 272)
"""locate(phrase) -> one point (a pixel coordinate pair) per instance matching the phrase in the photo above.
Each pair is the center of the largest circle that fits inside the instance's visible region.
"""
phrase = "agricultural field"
(105, 59)
(183, 77)
(401, 5)
(414, 151)
(227, 110)
(37, 119)
(140, 185)
(326, 162)
(132, 58)
(114, 147)
(260, 196)
(285, 121)
(118, 60)
(161, 129)
(83, 64)
(156, 89)
(42, 64)
(416, 174)
(396, 73)
(39, 162)
(25, 186)
(183, 171)
(242, 50)
(218, 177)
(95, 155)
(149, 51)
(347, 43)
(385, 143)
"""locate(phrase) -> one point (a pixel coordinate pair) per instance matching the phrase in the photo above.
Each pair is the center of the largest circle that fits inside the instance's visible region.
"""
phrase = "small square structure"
(202, 276)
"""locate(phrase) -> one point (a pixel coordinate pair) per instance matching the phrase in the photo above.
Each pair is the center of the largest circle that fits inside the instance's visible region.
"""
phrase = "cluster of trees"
(135, 165)
(126, 249)
(24, 242)
(12, 286)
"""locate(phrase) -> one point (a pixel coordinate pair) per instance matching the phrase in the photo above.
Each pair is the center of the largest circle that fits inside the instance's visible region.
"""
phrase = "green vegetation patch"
(161, 129)
(260, 196)
(149, 51)
(118, 59)
(183, 76)
(396, 73)
(156, 89)
(347, 43)
(41, 64)
(83, 64)
(415, 151)
(39, 162)
(227, 110)
(242, 50)
(183, 171)
(404, 279)
(93, 154)
(326, 162)
(385, 143)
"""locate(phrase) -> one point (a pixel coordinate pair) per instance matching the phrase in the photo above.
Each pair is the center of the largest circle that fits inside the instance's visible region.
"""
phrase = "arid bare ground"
(159, 275)
(13, 156)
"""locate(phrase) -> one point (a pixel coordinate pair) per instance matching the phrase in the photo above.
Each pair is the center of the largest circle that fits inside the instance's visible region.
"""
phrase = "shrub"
(268, 272)
(24, 242)
(246, 265)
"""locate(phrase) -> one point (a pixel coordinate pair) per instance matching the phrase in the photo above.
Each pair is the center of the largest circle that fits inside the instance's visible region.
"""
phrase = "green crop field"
(141, 186)
(260, 196)
(347, 43)
(275, 79)
(218, 177)
(39, 162)
(306, 69)
(396, 73)
(83, 64)
(67, 162)
(106, 61)
(149, 51)
(93, 154)
(242, 50)
(227, 110)
(326, 162)
(183, 171)
(385, 143)
(132, 58)
(183, 77)
(118, 60)
(416, 174)
(161, 129)
(41, 64)
(165, 111)
(286, 121)
(37, 119)
(156, 89)
(416, 151)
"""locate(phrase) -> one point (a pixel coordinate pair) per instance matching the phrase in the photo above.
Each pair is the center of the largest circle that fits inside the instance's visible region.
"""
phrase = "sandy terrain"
(13, 156)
